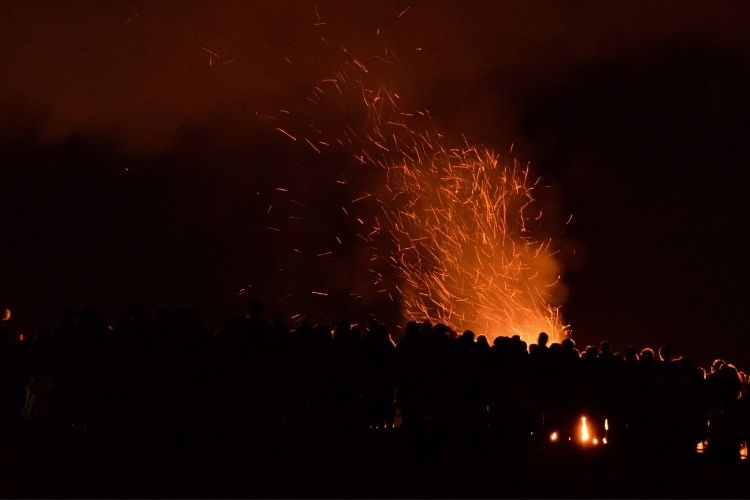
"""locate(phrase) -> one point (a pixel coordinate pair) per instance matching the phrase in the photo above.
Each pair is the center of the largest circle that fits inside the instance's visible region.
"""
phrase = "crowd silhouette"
(156, 404)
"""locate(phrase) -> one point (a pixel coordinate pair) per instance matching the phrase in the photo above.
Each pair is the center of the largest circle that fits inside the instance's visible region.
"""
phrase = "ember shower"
(452, 232)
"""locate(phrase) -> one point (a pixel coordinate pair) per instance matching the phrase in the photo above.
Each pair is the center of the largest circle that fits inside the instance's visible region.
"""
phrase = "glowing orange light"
(743, 451)
(466, 241)
(585, 436)
(553, 437)
(21, 337)
(465, 252)
(604, 440)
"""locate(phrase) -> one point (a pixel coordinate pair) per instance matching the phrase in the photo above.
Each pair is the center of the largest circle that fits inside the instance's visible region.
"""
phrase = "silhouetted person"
(724, 386)
(301, 397)
(379, 376)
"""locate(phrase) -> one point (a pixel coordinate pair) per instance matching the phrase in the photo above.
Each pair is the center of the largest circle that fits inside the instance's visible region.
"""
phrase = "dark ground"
(370, 464)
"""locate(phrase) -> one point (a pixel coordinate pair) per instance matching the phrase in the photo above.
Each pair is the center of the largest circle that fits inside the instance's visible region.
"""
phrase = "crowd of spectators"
(161, 375)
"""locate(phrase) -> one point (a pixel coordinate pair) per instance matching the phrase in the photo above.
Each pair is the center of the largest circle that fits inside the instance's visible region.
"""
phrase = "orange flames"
(463, 222)
(465, 247)
(463, 233)
(585, 436)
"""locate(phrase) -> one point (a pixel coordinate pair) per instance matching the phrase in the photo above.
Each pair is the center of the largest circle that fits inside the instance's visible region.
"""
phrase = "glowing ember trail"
(456, 224)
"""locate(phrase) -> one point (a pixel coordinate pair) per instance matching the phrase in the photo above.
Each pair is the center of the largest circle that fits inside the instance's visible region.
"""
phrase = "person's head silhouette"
(665, 353)
(543, 339)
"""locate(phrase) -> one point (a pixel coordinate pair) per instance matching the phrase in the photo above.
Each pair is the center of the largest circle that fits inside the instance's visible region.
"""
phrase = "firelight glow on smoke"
(456, 229)
(465, 252)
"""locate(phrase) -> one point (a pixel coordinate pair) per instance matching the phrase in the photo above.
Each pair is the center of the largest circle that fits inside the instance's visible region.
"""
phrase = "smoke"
(453, 231)
(306, 228)
(142, 70)
(98, 88)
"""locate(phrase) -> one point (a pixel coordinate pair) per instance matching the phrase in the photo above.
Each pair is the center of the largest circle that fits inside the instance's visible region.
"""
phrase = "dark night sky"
(130, 166)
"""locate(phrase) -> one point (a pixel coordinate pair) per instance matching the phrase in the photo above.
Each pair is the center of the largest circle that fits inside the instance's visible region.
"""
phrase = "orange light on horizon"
(553, 437)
